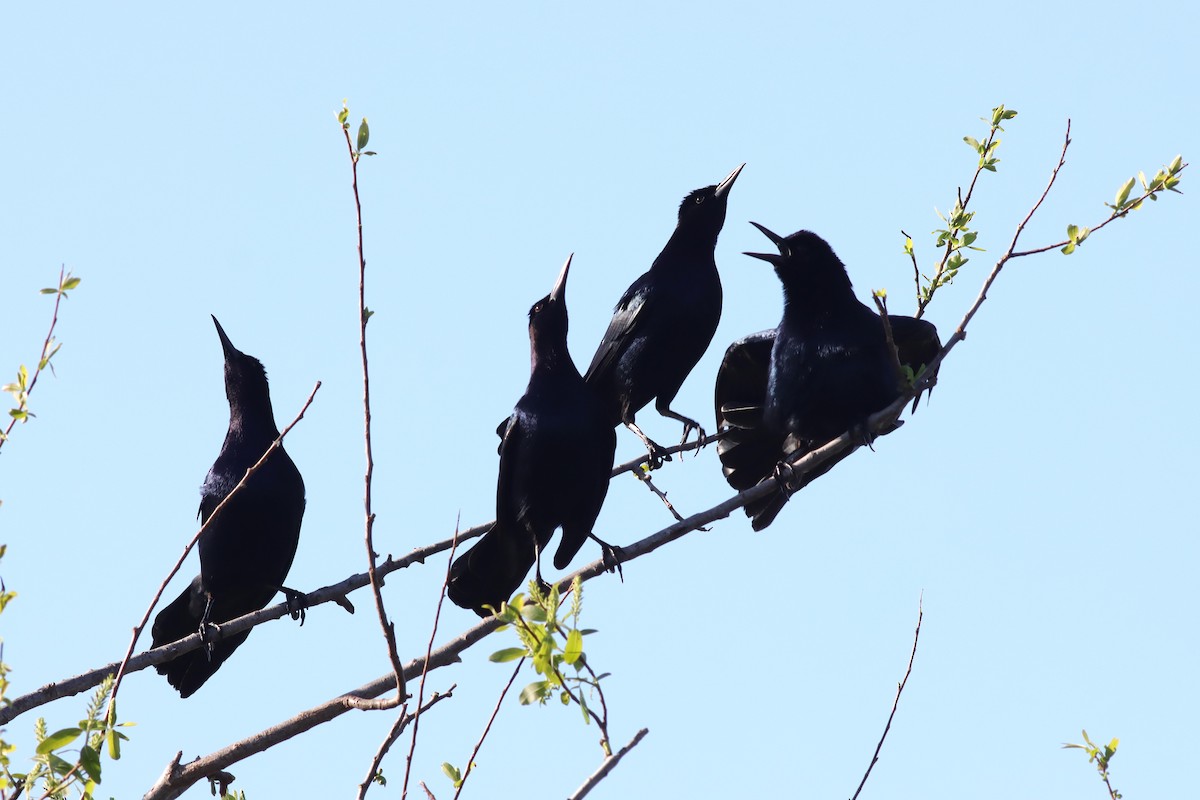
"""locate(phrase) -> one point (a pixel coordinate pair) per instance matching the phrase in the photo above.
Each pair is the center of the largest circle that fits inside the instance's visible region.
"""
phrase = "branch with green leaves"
(1101, 756)
(22, 387)
(957, 235)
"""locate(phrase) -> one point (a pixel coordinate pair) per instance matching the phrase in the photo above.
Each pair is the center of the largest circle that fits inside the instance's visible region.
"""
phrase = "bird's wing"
(916, 340)
(502, 431)
(741, 386)
(627, 317)
(513, 469)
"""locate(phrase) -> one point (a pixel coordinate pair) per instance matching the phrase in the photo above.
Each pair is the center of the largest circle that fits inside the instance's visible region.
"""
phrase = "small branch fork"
(137, 631)
(896, 702)
(389, 629)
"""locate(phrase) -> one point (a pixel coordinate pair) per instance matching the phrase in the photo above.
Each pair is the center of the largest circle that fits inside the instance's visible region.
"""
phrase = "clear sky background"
(186, 161)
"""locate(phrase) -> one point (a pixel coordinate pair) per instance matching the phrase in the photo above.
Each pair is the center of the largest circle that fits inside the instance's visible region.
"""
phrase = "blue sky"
(187, 162)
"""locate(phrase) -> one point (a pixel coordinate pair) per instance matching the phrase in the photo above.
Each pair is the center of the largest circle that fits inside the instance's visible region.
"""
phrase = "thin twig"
(389, 630)
(896, 702)
(635, 464)
(384, 746)
(397, 729)
(43, 359)
(137, 631)
(881, 305)
(644, 477)
(609, 764)
(487, 728)
(437, 616)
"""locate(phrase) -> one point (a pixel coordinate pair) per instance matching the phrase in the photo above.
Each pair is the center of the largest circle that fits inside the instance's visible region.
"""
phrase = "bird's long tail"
(491, 571)
(181, 618)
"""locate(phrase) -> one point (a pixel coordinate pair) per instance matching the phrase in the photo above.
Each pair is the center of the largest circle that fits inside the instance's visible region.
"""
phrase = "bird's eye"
(699, 199)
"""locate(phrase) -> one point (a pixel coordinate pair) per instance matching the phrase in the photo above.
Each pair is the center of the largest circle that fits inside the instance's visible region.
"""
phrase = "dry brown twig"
(389, 629)
(899, 691)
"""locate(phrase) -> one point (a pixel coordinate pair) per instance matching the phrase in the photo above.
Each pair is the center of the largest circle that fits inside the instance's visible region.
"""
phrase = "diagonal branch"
(899, 691)
(608, 766)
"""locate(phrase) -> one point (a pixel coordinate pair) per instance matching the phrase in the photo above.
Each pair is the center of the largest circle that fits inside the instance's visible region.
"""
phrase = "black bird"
(246, 553)
(822, 372)
(665, 320)
(555, 460)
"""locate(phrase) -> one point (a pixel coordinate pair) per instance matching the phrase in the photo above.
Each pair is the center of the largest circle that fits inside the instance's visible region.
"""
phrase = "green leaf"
(113, 739)
(344, 114)
(58, 765)
(1070, 248)
(507, 654)
(89, 759)
(70, 283)
(452, 772)
(565, 698)
(48, 291)
(364, 134)
(974, 143)
(574, 648)
(1123, 192)
(58, 740)
(533, 693)
(908, 246)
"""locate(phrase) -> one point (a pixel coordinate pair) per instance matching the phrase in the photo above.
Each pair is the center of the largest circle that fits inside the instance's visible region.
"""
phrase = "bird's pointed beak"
(775, 238)
(773, 259)
(559, 293)
(724, 186)
(226, 345)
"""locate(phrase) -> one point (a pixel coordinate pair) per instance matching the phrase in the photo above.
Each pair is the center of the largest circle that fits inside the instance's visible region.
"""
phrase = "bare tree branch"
(487, 728)
(437, 616)
(394, 734)
(896, 702)
(609, 764)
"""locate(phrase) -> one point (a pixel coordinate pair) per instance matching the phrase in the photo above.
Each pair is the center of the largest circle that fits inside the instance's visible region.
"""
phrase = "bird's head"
(706, 207)
(245, 379)
(804, 260)
(548, 318)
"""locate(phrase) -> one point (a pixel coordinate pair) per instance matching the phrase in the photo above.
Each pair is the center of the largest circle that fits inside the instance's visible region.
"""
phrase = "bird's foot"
(210, 634)
(611, 556)
(785, 475)
(862, 435)
(297, 602)
(688, 427)
(657, 455)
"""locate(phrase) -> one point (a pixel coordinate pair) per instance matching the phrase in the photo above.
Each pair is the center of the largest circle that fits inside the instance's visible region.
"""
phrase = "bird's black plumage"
(665, 320)
(246, 553)
(555, 459)
(822, 372)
